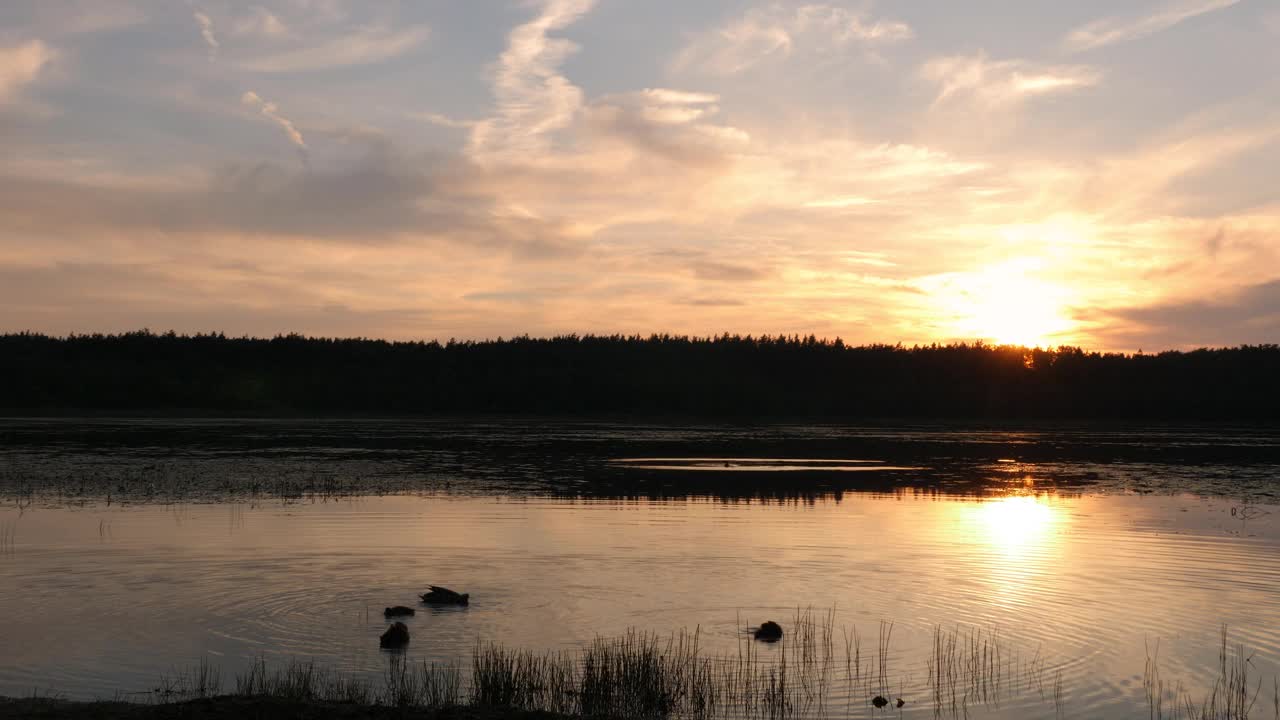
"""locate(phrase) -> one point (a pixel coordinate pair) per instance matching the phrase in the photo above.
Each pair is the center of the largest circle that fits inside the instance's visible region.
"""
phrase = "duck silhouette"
(769, 632)
(444, 596)
(396, 636)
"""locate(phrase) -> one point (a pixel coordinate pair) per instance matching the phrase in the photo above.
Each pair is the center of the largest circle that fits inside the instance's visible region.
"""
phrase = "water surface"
(130, 549)
(100, 599)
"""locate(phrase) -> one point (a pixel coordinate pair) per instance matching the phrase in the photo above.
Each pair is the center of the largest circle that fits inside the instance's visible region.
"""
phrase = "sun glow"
(1016, 522)
(1007, 304)
(1020, 539)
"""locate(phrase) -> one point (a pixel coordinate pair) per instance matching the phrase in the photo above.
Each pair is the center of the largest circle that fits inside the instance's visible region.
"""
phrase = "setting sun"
(1007, 304)
(650, 329)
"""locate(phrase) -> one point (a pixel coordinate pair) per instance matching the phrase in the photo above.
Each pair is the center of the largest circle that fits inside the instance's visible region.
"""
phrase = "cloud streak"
(533, 98)
(20, 65)
(206, 32)
(1249, 314)
(1115, 30)
(776, 32)
(388, 197)
(996, 82)
(269, 110)
(364, 47)
(672, 124)
(260, 23)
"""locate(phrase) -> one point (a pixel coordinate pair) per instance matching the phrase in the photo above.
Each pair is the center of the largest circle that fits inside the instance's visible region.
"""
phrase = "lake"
(135, 549)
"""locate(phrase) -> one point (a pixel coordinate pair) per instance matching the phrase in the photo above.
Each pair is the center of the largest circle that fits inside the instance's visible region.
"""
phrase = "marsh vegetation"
(821, 670)
(132, 461)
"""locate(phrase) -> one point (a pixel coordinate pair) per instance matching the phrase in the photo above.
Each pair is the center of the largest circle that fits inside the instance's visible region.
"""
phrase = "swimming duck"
(445, 596)
(398, 611)
(396, 636)
(769, 632)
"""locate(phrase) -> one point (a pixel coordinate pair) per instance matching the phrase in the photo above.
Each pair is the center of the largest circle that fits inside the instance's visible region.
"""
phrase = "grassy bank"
(232, 707)
(818, 671)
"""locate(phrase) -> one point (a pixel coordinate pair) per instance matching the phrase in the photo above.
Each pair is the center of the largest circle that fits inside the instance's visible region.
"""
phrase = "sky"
(1037, 172)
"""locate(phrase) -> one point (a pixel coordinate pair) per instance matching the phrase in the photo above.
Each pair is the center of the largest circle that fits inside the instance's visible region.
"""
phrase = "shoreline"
(233, 707)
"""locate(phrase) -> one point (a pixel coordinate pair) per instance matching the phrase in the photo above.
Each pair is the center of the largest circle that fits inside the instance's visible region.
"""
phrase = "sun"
(1009, 305)
(1017, 311)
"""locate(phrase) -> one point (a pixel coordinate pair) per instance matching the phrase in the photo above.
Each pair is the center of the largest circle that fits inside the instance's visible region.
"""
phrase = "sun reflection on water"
(1017, 522)
(1018, 539)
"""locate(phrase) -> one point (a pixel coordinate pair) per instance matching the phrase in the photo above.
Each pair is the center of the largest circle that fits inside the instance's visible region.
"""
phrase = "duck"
(398, 611)
(769, 632)
(445, 596)
(396, 636)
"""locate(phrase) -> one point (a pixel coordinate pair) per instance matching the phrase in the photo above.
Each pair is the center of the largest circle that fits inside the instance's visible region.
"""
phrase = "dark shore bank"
(231, 707)
(726, 377)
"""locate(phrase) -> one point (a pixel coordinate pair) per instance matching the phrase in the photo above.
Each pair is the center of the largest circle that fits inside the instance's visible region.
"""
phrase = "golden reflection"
(1017, 522)
(1019, 540)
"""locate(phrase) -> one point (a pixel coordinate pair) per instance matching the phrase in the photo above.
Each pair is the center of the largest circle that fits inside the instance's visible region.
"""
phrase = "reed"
(639, 674)
(634, 676)
(203, 680)
(8, 537)
(521, 679)
(432, 686)
(971, 666)
(1231, 696)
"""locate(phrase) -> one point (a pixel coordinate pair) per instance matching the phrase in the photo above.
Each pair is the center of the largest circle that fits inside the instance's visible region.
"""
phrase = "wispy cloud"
(840, 203)
(1113, 30)
(20, 65)
(1139, 182)
(533, 98)
(443, 120)
(1244, 314)
(269, 110)
(660, 106)
(775, 32)
(364, 47)
(995, 82)
(846, 26)
(723, 271)
(260, 23)
(206, 32)
(676, 125)
(680, 97)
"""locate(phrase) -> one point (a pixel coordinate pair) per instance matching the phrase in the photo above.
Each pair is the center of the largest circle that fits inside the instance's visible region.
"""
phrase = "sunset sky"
(1093, 173)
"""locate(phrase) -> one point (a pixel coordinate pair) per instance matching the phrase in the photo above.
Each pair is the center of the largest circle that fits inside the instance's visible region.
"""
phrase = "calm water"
(97, 598)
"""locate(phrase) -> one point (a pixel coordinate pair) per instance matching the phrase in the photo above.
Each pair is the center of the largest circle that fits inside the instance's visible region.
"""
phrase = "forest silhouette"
(727, 376)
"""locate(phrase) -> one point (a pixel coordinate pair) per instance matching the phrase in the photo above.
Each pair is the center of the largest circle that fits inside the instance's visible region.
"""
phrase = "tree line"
(728, 376)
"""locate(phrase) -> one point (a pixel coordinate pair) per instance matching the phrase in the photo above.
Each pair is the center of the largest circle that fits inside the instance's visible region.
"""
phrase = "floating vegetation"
(248, 479)
(77, 461)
